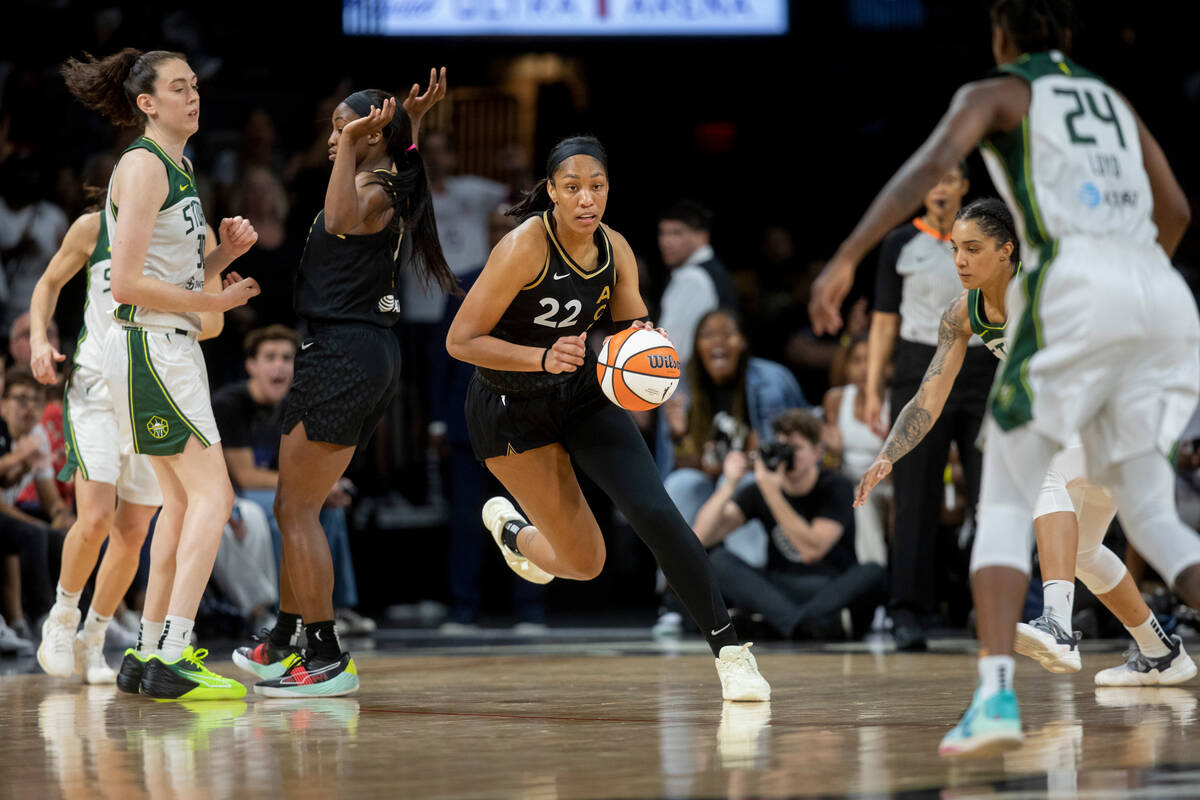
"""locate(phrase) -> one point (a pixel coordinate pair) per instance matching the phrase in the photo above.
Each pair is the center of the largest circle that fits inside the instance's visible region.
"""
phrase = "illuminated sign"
(564, 17)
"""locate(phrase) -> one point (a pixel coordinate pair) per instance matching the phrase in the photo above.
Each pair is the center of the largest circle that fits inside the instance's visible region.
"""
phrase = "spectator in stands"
(812, 573)
(31, 228)
(18, 339)
(470, 485)
(915, 282)
(249, 417)
(699, 281)
(35, 490)
(853, 445)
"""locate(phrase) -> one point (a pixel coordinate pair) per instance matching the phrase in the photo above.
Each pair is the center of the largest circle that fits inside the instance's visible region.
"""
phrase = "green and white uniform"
(152, 361)
(1105, 338)
(90, 428)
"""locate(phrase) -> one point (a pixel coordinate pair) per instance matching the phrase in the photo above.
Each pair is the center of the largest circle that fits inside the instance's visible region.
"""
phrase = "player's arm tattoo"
(914, 420)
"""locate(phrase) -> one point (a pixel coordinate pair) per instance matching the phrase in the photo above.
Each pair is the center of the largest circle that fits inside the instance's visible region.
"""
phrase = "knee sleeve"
(1099, 569)
(1014, 465)
(1052, 496)
(1143, 487)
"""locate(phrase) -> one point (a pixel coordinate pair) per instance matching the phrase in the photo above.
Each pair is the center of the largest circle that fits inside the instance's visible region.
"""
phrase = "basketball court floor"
(598, 714)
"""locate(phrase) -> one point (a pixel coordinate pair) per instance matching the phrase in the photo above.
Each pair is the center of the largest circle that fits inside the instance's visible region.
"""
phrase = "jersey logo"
(158, 427)
(183, 188)
(558, 277)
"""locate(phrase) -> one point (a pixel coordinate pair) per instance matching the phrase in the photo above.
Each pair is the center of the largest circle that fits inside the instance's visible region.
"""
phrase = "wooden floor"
(596, 720)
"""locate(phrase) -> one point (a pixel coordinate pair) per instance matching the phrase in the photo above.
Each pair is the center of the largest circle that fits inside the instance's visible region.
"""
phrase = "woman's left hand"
(417, 105)
(649, 326)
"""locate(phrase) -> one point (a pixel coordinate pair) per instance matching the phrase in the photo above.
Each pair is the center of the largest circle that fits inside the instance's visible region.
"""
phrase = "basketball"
(638, 369)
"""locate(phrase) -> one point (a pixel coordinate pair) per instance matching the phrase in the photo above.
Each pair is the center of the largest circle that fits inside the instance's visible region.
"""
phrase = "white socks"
(1058, 601)
(1150, 638)
(995, 674)
(177, 635)
(95, 626)
(149, 634)
(65, 599)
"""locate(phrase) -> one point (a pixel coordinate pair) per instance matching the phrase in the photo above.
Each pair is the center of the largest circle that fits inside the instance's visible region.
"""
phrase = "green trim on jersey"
(180, 182)
(159, 427)
(101, 252)
(1031, 66)
(975, 315)
(74, 459)
(1011, 397)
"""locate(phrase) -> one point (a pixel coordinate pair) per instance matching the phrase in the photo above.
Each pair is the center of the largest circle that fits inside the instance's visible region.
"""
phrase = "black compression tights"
(608, 449)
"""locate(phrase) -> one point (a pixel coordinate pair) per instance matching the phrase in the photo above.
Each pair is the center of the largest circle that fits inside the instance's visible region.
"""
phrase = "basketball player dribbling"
(1105, 339)
(534, 404)
(1072, 515)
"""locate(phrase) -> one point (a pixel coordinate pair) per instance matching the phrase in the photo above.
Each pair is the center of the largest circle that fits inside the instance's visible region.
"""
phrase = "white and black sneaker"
(497, 513)
(1141, 670)
(1048, 643)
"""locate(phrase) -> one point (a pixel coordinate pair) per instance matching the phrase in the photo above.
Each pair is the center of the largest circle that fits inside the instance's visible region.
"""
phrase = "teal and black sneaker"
(129, 677)
(186, 678)
(265, 660)
(312, 677)
(990, 726)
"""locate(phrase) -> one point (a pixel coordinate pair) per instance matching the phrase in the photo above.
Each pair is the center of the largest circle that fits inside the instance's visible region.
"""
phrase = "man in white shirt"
(699, 281)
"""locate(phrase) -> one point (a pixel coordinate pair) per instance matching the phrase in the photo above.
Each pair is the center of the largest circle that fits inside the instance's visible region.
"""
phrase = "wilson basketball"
(638, 369)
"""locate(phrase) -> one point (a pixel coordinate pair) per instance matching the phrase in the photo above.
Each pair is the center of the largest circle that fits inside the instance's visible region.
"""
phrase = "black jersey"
(563, 300)
(347, 277)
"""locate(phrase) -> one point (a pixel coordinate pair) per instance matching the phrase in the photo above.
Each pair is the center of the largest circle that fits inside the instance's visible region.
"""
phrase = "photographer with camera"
(811, 572)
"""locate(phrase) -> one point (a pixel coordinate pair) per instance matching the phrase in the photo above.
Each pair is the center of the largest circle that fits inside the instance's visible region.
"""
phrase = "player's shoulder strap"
(181, 181)
(1031, 66)
(976, 316)
(103, 249)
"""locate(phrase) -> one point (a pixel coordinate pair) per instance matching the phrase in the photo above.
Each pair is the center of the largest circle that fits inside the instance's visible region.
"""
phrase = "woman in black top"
(535, 403)
(378, 214)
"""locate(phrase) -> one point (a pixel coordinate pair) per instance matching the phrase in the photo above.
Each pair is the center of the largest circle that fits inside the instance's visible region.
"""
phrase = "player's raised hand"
(871, 478)
(42, 358)
(237, 291)
(375, 121)
(237, 236)
(566, 355)
(416, 104)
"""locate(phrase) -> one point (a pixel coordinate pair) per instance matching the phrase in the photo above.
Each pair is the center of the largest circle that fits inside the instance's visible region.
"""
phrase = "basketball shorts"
(502, 424)
(159, 387)
(94, 446)
(1106, 343)
(347, 374)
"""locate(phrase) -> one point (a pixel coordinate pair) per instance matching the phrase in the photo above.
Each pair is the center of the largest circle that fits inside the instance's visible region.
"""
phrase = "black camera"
(775, 453)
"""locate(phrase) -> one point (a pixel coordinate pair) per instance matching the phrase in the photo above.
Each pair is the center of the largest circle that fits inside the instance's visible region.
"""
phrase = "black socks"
(286, 632)
(322, 640)
(508, 534)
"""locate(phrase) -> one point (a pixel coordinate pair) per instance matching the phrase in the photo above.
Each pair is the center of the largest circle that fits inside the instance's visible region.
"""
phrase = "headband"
(578, 147)
(360, 103)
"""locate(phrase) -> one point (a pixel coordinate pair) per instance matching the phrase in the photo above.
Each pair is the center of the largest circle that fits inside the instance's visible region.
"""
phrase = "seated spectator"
(249, 417)
(34, 490)
(852, 444)
(812, 573)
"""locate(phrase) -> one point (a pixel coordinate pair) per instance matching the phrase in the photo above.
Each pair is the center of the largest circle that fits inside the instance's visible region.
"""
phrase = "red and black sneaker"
(312, 677)
(264, 659)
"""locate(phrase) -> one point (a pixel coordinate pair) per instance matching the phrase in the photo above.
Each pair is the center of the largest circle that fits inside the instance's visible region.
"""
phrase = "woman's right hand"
(42, 358)
(237, 291)
(566, 355)
(871, 478)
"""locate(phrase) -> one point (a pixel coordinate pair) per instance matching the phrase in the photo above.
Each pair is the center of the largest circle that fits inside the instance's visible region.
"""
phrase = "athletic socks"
(176, 636)
(722, 637)
(1058, 602)
(148, 635)
(995, 675)
(322, 640)
(95, 625)
(1150, 638)
(65, 599)
(286, 632)
(508, 533)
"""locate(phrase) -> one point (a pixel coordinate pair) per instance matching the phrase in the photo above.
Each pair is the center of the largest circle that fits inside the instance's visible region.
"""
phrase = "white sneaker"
(740, 679)
(118, 637)
(496, 512)
(668, 626)
(89, 660)
(11, 644)
(350, 623)
(1141, 670)
(56, 653)
(1048, 643)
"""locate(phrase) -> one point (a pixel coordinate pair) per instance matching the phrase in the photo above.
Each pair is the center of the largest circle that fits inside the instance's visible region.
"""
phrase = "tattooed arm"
(918, 416)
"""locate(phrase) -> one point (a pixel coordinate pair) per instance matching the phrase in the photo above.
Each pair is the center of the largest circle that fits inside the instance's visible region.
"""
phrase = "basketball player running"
(1105, 340)
(535, 405)
(105, 475)
(378, 215)
(152, 363)
(1071, 515)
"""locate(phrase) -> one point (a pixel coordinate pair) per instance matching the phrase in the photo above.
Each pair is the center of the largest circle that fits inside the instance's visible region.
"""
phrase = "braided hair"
(1035, 26)
(995, 220)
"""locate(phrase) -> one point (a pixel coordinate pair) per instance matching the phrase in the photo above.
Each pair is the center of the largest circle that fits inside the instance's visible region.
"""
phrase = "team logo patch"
(158, 427)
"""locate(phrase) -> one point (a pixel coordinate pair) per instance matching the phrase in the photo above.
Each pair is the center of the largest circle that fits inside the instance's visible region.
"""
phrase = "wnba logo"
(662, 362)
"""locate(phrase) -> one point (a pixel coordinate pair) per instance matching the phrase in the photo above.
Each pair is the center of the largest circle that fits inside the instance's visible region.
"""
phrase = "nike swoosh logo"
(718, 630)
(183, 188)
(306, 345)
(560, 277)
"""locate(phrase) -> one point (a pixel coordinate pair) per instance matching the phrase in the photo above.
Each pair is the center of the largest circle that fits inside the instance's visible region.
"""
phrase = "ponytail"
(411, 199)
(111, 85)
(537, 199)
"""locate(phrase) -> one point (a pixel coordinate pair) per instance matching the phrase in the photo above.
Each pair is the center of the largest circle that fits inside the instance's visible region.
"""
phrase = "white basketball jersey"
(176, 253)
(1074, 166)
(98, 305)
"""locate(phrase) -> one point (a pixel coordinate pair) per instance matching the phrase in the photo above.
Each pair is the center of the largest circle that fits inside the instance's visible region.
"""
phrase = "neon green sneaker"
(988, 727)
(133, 667)
(187, 678)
